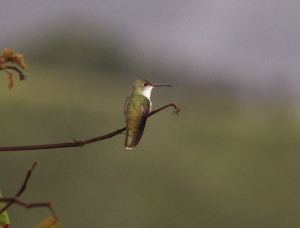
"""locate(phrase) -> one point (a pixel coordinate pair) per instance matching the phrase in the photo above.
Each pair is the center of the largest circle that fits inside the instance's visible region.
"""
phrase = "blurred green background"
(230, 159)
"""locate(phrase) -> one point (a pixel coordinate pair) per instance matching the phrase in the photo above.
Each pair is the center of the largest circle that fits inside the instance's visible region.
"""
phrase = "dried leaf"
(176, 111)
(51, 222)
(11, 80)
(4, 219)
(9, 56)
(18, 59)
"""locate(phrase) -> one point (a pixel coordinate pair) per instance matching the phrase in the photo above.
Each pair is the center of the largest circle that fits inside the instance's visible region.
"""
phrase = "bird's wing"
(140, 130)
(133, 138)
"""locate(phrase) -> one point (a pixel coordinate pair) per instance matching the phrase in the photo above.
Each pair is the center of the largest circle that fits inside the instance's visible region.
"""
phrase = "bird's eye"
(145, 84)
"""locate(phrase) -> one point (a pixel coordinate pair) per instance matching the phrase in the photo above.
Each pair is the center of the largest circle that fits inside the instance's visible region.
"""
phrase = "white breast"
(147, 92)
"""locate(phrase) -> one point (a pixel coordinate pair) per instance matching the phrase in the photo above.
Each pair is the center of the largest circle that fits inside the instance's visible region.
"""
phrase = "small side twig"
(80, 143)
(16, 199)
(21, 74)
(176, 109)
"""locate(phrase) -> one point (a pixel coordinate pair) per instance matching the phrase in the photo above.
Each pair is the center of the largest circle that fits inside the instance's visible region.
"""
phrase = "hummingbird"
(136, 111)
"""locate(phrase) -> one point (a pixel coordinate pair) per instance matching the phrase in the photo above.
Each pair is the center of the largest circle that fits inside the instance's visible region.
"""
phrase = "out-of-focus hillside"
(220, 163)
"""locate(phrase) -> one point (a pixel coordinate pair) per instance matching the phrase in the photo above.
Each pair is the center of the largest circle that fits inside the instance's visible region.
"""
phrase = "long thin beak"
(154, 85)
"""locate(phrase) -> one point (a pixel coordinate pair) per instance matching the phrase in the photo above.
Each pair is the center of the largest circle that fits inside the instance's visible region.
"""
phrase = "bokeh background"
(230, 159)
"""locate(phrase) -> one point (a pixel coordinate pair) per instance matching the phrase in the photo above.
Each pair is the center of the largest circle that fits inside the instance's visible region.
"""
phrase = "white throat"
(147, 92)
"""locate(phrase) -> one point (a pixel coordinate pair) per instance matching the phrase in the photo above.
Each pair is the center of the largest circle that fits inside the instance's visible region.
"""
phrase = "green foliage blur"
(225, 161)
(4, 219)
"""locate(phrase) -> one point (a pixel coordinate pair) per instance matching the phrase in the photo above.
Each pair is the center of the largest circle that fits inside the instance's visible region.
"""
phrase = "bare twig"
(80, 143)
(16, 199)
(176, 109)
(23, 187)
(21, 74)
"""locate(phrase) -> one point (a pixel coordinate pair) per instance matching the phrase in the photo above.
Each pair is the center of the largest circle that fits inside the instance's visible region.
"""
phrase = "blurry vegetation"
(4, 219)
(70, 48)
(7, 57)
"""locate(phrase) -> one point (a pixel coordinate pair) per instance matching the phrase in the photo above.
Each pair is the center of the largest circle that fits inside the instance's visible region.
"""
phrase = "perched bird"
(136, 111)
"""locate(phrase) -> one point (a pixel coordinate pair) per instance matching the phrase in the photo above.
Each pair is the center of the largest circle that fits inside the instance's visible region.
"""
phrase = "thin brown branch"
(176, 109)
(23, 187)
(80, 143)
(16, 199)
(21, 74)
